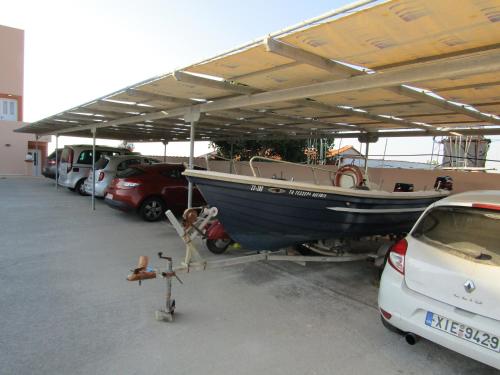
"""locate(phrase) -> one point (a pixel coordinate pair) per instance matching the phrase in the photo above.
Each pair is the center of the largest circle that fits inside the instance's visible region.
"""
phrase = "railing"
(232, 163)
(256, 172)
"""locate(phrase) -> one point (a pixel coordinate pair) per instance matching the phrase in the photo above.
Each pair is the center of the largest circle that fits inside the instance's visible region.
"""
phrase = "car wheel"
(80, 187)
(390, 327)
(218, 246)
(152, 209)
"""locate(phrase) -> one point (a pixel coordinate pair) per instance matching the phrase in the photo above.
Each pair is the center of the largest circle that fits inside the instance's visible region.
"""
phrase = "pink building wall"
(12, 72)
(14, 146)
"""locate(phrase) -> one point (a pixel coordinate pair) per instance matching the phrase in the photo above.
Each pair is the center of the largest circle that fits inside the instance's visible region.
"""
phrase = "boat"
(264, 213)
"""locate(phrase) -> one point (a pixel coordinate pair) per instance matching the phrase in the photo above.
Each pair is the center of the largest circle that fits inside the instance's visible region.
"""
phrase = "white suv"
(442, 282)
(76, 163)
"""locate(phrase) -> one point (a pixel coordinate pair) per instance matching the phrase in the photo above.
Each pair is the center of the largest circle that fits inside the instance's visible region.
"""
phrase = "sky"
(77, 51)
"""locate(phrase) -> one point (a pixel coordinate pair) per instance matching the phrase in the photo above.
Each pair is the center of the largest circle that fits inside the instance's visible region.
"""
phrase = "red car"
(150, 190)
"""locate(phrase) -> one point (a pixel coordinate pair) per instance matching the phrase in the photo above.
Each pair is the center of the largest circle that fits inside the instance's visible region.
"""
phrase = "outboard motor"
(444, 183)
(403, 187)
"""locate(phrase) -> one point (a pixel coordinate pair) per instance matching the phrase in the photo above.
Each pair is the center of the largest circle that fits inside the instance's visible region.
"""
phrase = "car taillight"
(486, 206)
(397, 256)
(131, 184)
(386, 314)
(52, 162)
(101, 176)
(128, 183)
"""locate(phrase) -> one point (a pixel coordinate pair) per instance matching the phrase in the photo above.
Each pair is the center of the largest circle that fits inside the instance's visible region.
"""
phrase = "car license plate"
(109, 196)
(463, 331)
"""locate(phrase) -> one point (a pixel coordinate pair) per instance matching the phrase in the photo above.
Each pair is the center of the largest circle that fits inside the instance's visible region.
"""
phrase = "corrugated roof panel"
(401, 31)
(390, 34)
(169, 86)
(365, 98)
(472, 95)
(456, 82)
(251, 60)
(291, 76)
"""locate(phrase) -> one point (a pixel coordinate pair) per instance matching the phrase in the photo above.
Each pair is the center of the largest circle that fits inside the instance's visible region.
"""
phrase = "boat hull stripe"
(376, 210)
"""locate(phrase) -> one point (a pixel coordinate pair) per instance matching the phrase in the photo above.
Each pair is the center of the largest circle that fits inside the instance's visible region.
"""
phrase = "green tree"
(289, 150)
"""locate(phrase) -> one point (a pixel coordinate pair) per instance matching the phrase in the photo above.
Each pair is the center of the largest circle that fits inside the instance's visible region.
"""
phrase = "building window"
(8, 109)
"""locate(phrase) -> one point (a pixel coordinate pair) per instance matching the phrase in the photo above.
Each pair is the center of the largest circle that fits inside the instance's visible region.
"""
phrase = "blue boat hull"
(267, 218)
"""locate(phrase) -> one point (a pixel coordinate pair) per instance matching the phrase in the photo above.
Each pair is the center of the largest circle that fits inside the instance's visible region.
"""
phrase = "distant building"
(465, 152)
(349, 155)
(19, 153)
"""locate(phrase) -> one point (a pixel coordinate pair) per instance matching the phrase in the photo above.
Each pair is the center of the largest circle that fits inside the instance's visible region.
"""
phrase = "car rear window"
(129, 172)
(65, 155)
(472, 232)
(172, 173)
(85, 156)
(101, 163)
(127, 163)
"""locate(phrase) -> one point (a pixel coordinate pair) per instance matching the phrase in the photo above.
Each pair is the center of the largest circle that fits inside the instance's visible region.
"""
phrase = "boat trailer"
(195, 222)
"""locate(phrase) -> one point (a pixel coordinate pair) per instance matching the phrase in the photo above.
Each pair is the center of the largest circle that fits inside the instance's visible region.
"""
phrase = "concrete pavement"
(65, 307)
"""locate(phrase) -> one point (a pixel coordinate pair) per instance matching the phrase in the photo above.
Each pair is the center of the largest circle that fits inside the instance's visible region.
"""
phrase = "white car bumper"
(409, 310)
(65, 182)
(99, 188)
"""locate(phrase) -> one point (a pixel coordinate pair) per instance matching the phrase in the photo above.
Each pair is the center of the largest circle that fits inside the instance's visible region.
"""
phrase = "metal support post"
(432, 152)
(385, 150)
(57, 164)
(35, 159)
(165, 143)
(321, 152)
(191, 116)
(366, 158)
(231, 158)
(191, 162)
(93, 168)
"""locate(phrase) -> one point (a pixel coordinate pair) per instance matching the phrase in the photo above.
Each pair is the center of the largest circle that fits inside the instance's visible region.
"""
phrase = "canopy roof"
(400, 68)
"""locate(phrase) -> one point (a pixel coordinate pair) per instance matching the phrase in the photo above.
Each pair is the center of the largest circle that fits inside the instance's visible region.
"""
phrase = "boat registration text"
(295, 193)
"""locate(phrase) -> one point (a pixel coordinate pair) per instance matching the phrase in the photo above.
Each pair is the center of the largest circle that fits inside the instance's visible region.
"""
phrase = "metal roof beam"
(297, 122)
(146, 96)
(207, 82)
(475, 64)
(223, 85)
(445, 104)
(92, 112)
(118, 107)
(364, 114)
(385, 134)
(213, 83)
(309, 58)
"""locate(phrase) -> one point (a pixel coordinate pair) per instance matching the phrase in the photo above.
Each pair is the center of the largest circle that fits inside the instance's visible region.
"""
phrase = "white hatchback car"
(76, 164)
(442, 282)
(107, 167)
